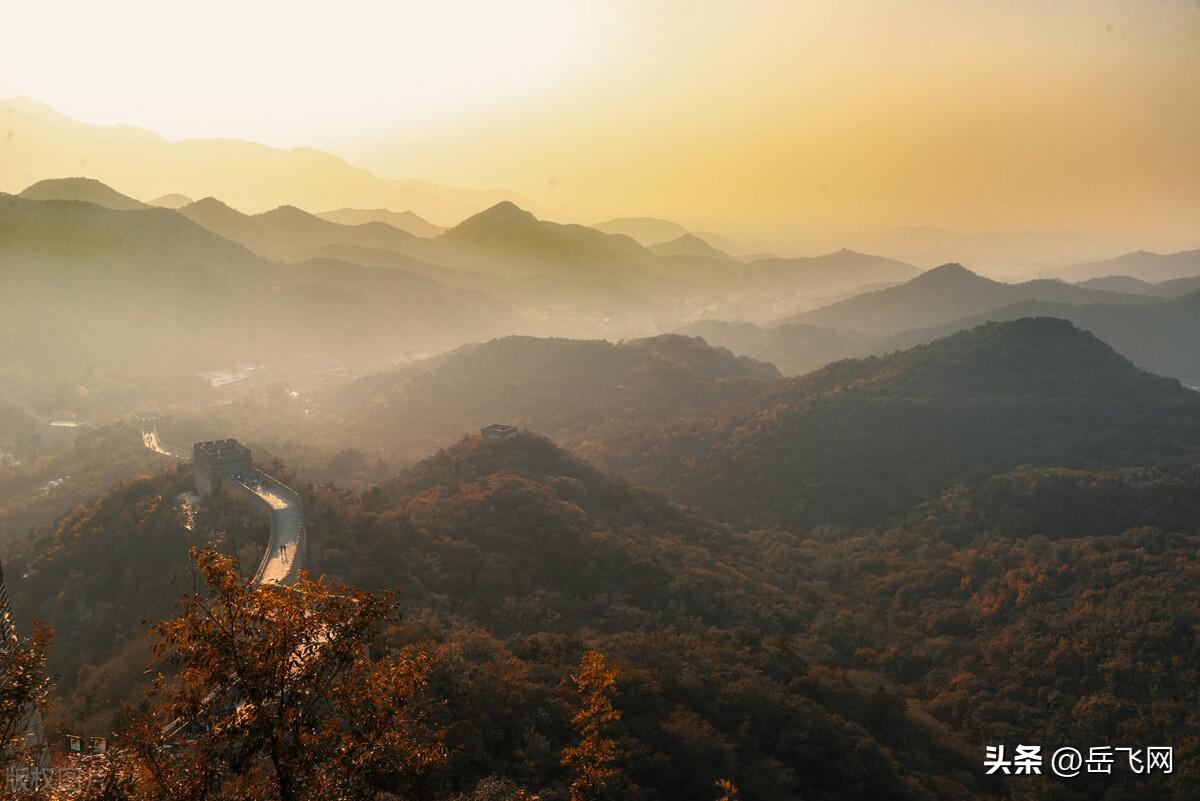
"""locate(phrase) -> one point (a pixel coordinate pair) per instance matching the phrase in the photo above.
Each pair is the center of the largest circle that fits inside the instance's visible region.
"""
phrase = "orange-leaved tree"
(24, 689)
(281, 693)
(596, 775)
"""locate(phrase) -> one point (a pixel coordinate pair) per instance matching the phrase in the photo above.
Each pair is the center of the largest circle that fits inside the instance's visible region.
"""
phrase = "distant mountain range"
(148, 296)
(288, 233)
(1163, 336)
(509, 238)
(579, 279)
(794, 348)
(1142, 265)
(1012, 254)
(832, 273)
(942, 295)
(404, 220)
(41, 142)
(1129, 285)
(645, 231)
(689, 245)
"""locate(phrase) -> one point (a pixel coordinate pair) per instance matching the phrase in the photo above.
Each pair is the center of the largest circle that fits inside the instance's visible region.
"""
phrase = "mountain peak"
(209, 203)
(473, 458)
(1044, 357)
(951, 270)
(289, 213)
(173, 200)
(646, 231)
(505, 215)
(86, 190)
(505, 210)
(688, 244)
(407, 221)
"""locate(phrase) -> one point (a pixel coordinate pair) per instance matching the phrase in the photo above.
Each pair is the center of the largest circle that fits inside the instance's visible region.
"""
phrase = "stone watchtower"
(216, 459)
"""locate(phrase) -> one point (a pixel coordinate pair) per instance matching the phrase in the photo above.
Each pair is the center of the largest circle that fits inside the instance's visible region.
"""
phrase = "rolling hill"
(995, 253)
(1162, 337)
(793, 348)
(689, 245)
(830, 274)
(1141, 264)
(172, 201)
(1124, 284)
(508, 238)
(289, 234)
(87, 190)
(942, 295)
(583, 393)
(644, 230)
(404, 220)
(1135, 286)
(861, 440)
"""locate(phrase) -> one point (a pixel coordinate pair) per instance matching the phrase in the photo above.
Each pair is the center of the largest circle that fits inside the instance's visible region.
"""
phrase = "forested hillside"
(511, 559)
(863, 440)
(1040, 604)
(581, 393)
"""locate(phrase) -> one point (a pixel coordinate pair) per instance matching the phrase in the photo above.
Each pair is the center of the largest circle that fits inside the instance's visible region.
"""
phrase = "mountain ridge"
(940, 295)
(407, 221)
(87, 190)
(830, 447)
(689, 245)
(1141, 264)
(45, 142)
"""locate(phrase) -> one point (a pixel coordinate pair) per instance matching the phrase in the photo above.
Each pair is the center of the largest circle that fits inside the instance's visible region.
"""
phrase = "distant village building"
(216, 459)
(498, 431)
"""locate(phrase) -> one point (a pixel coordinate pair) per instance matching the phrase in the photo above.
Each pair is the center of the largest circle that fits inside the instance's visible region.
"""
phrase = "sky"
(806, 118)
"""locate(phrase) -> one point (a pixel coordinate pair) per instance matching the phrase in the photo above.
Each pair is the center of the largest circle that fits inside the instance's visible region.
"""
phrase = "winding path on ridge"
(284, 554)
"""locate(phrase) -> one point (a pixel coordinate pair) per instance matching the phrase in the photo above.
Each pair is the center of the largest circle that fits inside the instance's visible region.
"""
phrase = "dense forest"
(833, 618)
(861, 441)
(510, 560)
(1042, 603)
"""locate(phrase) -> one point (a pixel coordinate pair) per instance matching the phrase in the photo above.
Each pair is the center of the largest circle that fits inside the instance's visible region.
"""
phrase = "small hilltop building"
(498, 431)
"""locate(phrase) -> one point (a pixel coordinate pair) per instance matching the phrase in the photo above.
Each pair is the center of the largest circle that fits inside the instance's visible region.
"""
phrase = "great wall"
(227, 466)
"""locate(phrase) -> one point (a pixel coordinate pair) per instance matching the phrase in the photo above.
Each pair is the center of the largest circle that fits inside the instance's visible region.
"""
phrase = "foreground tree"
(277, 693)
(24, 690)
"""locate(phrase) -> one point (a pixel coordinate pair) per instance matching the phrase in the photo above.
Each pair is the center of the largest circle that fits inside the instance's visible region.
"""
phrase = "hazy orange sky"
(769, 120)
